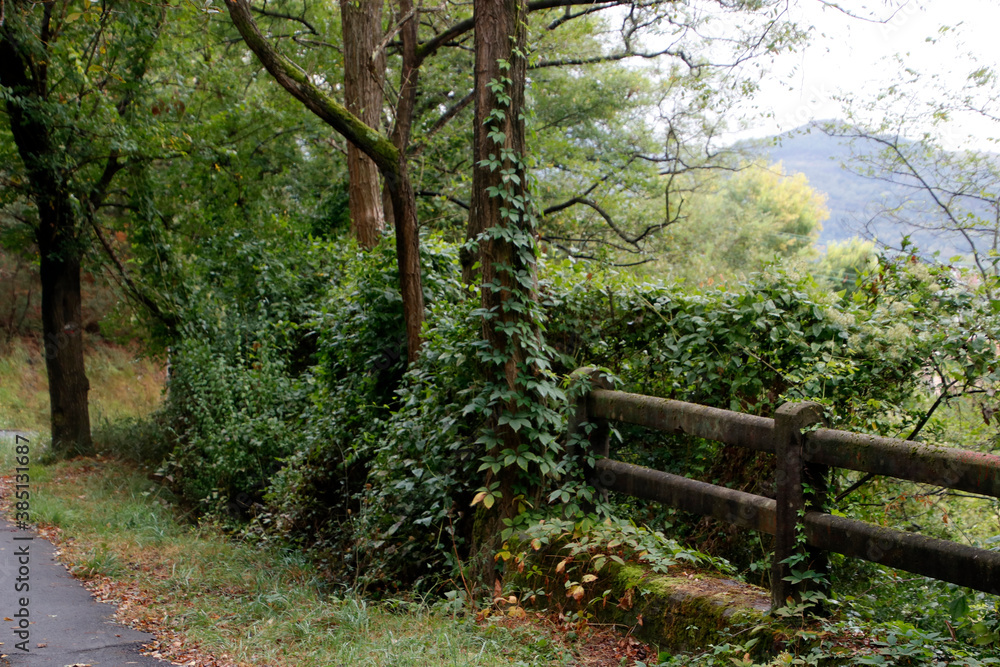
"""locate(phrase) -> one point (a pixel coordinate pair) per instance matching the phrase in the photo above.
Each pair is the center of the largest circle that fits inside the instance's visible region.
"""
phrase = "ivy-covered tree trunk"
(364, 77)
(500, 74)
(24, 76)
(502, 227)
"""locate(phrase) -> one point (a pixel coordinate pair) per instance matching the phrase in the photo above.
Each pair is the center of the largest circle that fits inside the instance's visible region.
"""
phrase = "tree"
(445, 37)
(388, 155)
(843, 263)
(364, 77)
(736, 223)
(70, 80)
(912, 136)
(502, 232)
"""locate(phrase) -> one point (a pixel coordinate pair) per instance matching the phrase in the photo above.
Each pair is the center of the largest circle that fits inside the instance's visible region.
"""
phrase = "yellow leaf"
(561, 566)
(576, 593)
(587, 578)
(479, 497)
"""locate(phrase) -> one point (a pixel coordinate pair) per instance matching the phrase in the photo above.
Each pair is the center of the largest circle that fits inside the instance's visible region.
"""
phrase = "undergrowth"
(255, 605)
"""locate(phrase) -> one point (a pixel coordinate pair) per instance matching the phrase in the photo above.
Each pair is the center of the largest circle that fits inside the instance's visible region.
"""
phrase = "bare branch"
(392, 33)
(454, 200)
(633, 241)
(428, 48)
(569, 16)
(169, 319)
(869, 19)
(614, 57)
(903, 168)
(263, 11)
(578, 255)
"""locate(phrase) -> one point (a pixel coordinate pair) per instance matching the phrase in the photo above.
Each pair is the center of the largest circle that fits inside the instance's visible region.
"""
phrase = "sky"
(855, 56)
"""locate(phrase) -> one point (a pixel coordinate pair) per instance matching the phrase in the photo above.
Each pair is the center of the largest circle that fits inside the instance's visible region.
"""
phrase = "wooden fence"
(804, 458)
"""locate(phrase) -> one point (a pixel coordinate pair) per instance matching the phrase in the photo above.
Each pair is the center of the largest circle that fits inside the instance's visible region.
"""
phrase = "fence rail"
(804, 458)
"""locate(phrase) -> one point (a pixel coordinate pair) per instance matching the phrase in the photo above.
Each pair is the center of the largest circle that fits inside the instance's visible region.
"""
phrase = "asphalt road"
(63, 625)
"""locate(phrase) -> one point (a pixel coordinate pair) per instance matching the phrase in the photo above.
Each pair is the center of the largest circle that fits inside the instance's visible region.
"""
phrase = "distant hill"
(851, 197)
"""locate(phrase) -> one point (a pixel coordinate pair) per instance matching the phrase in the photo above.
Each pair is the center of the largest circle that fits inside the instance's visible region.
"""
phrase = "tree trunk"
(402, 197)
(58, 243)
(364, 76)
(500, 29)
(63, 333)
(388, 155)
(507, 262)
(404, 206)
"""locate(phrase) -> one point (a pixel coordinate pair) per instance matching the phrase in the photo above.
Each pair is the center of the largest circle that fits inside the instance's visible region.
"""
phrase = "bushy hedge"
(295, 407)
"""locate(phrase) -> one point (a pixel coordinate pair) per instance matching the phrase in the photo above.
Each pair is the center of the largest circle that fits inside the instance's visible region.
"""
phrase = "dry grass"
(121, 384)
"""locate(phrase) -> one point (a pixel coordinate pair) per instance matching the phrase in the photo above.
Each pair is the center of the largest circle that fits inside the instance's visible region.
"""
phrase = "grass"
(121, 385)
(252, 605)
(210, 599)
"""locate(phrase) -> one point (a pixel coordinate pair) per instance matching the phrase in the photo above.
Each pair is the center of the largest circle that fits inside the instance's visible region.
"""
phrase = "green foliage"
(734, 225)
(843, 264)
(383, 465)
(234, 393)
(774, 339)
(585, 547)
(847, 644)
(289, 383)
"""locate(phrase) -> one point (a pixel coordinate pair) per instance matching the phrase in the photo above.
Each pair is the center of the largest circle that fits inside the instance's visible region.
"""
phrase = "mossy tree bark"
(389, 156)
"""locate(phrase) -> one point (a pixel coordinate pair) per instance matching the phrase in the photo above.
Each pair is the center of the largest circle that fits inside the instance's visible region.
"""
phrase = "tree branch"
(920, 425)
(569, 16)
(429, 47)
(941, 197)
(454, 200)
(614, 57)
(169, 320)
(633, 241)
(279, 15)
(299, 84)
(445, 118)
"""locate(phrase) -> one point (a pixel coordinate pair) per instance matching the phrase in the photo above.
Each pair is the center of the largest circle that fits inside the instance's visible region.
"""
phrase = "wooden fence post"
(584, 427)
(798, 486)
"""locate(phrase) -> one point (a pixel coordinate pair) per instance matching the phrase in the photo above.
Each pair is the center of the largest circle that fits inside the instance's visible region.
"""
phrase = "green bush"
(238, 383)
(290, 396)
(381, 453)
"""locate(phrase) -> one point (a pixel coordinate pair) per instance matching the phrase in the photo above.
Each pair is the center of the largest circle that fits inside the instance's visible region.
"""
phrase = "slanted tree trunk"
(402, 197)
(504, 228)
(364, 76)
(387, 154)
